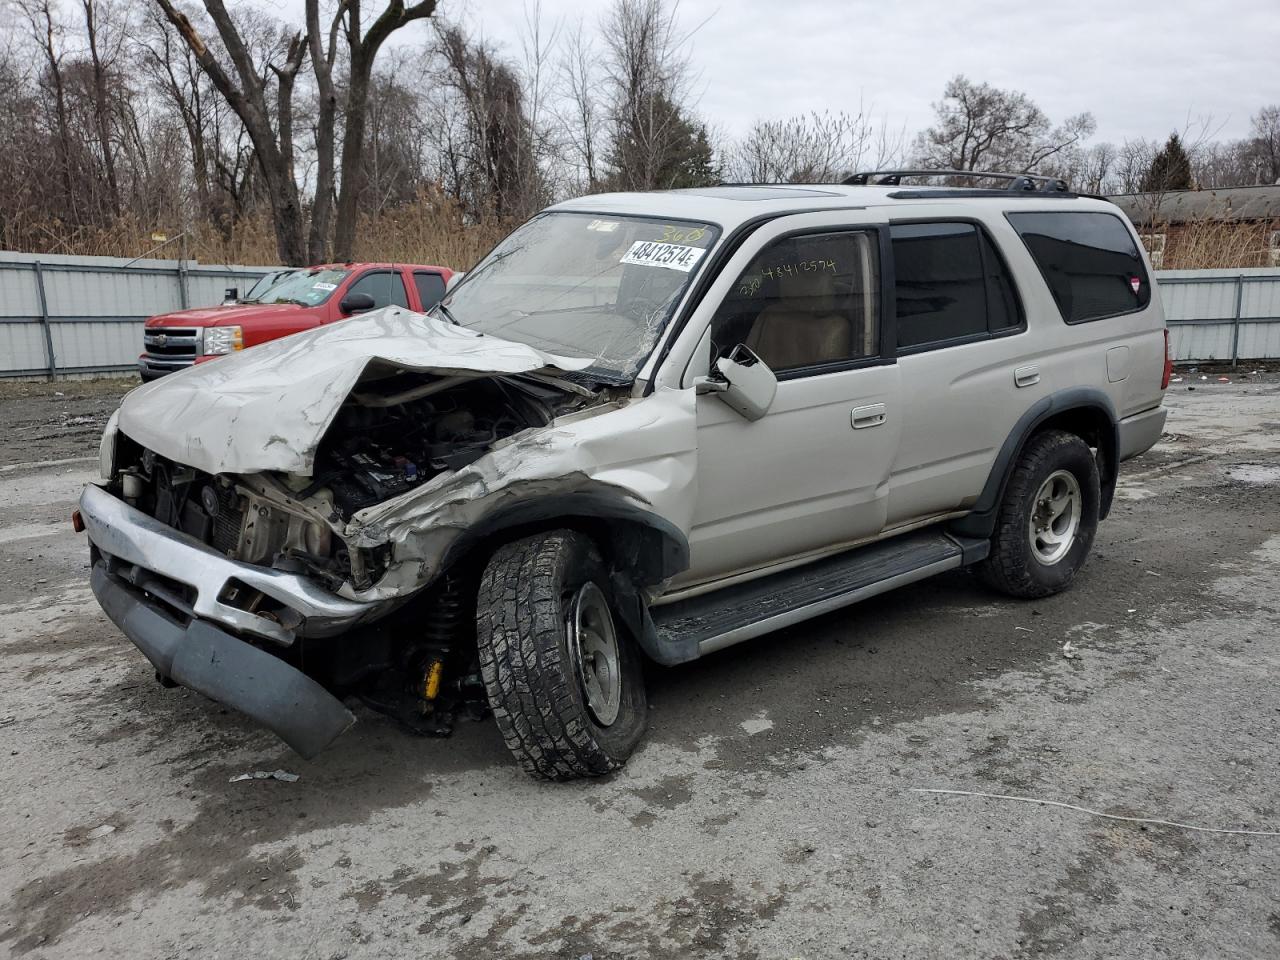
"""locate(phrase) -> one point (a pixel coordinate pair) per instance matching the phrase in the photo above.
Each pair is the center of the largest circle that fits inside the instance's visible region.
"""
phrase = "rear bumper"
(1139, 433)
(224, 668)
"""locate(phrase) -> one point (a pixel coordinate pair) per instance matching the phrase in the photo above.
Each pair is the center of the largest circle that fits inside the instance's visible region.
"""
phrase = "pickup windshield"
(307, 287)
(584, 286)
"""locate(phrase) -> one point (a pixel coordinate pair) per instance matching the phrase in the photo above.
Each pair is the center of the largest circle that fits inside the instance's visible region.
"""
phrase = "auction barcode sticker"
(673, 256)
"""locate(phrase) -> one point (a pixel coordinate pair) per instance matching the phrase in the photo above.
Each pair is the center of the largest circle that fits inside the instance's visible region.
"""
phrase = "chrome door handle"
(872, 415)
(1027, 376)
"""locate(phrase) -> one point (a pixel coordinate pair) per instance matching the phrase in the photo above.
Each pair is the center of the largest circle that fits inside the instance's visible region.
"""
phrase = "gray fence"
(73, 315)
(77, 315)
(1222, 315)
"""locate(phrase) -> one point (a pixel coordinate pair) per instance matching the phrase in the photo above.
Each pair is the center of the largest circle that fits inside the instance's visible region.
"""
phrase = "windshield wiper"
(447, 314)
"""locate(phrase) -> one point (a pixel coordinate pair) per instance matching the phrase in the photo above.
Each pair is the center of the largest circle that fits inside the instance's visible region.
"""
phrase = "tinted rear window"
(950, 284)
(430, 288)
(1089, 260)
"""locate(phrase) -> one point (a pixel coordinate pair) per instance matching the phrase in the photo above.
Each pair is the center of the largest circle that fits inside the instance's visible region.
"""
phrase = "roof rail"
(1018, 182)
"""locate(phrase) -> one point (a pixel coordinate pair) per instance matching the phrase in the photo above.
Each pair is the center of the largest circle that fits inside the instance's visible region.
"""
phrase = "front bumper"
(133, 537)
(224, 668)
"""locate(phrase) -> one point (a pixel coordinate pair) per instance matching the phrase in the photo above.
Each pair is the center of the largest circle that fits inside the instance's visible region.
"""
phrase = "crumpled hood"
(268, 407)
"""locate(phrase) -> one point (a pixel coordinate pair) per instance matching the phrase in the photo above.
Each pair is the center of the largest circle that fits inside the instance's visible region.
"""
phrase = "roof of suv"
(729, 206)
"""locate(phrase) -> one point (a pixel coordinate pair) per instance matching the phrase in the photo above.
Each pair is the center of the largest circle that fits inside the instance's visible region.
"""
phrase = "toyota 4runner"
(645, 425)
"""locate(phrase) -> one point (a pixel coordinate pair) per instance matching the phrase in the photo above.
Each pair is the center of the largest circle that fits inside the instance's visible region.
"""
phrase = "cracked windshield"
(588, 287)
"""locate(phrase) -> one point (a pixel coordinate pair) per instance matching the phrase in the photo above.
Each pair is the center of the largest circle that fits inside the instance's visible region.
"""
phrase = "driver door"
(813, 472)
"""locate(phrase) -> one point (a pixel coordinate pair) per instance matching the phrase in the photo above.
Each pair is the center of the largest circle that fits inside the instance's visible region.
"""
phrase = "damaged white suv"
(646, 425)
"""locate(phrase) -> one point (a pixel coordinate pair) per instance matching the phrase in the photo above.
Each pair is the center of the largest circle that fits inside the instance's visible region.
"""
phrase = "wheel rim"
(1055, 517)
(593, 645)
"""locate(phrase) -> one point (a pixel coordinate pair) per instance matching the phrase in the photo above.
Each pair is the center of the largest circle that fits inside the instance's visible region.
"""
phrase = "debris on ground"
(1098, 813)
(1070, 651)
(100, 831)
(283, 775)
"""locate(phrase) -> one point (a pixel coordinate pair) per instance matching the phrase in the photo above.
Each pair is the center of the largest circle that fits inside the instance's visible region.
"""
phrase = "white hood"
(268, 407)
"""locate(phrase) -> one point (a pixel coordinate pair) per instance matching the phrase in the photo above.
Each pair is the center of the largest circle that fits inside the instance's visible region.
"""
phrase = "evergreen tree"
(1170, 169)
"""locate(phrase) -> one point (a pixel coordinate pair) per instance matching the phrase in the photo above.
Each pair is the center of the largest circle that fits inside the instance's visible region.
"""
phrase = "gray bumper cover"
(225, 668)
(1139, 433)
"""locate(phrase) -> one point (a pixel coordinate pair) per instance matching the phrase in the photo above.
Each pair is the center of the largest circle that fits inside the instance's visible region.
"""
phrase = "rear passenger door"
(959, 328)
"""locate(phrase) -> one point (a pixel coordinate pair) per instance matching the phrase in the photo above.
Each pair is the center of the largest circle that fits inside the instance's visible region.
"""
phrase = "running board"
(720, 619)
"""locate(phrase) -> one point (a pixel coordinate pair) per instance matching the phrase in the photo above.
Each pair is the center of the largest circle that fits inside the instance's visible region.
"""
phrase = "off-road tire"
(522, 638)
(1011, 566)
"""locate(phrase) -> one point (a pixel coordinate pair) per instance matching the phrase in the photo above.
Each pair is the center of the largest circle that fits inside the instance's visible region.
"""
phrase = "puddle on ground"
(1254, 473)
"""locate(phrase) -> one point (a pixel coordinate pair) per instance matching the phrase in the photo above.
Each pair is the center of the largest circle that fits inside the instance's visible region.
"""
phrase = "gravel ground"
(770, 813)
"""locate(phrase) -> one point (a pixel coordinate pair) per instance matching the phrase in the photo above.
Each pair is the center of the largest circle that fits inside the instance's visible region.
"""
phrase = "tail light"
(1168, 362)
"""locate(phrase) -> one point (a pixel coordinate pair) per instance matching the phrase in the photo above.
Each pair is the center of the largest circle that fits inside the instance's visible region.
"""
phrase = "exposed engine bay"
(391, 436)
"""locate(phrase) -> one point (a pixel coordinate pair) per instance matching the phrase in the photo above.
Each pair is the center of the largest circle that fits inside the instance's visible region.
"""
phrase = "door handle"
(1027, 376)
(872, 415)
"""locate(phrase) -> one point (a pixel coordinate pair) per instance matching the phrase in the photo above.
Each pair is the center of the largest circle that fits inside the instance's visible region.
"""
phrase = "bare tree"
(812, 148)
(271, 131)
(655, 141)
(978, 125)
(1266, 144)
(580, 111)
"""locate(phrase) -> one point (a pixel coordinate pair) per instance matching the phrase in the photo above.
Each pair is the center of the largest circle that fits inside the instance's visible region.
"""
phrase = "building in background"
(1193, 229)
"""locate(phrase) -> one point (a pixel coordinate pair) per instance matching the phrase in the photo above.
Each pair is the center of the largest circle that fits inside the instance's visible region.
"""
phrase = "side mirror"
(230, 295)
(743, 381)
(356, 303)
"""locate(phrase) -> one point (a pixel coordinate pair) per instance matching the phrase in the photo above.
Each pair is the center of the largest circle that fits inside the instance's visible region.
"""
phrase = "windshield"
(307, 287)
(259, 290)
(582, 286)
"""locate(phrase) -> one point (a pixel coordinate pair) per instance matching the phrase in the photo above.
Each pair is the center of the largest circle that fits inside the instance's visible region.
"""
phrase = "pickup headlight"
(219, 340)
(107, 447)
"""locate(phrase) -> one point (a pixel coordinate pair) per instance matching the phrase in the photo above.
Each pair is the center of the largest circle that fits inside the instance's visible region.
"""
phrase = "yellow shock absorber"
(431, 688)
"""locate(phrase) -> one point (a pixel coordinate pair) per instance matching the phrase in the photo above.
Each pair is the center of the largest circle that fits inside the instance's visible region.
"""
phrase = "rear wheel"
(1048, 517)
(562, 676)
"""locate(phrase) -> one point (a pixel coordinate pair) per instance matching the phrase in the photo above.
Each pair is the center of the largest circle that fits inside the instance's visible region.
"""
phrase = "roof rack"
(1018, 182)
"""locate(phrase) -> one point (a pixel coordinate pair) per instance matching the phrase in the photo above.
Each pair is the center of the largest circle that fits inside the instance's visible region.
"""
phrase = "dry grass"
(1210, 244)
(431, 230)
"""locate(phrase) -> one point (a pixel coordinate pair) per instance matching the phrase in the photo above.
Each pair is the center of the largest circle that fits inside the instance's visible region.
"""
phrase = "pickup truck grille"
(171, 343)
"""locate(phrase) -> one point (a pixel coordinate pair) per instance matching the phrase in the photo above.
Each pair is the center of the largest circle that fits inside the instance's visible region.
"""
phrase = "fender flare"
(981, 520)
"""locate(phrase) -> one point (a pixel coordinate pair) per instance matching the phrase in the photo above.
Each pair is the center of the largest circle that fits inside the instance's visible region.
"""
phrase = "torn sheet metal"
(268, 408)
(643, 453)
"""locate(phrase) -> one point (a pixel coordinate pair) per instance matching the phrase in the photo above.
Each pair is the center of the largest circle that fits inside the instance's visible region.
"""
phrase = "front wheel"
(562, 676)
(1048, 517)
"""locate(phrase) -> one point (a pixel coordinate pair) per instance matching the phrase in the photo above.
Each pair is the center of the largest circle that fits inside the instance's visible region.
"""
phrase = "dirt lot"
(769, 814)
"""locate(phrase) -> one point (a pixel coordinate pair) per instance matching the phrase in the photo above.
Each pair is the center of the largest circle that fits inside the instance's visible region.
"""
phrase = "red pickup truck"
(299, 300)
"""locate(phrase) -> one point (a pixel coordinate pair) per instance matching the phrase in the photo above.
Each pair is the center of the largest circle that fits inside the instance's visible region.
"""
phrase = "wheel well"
(1088, 418)
(1095, 427)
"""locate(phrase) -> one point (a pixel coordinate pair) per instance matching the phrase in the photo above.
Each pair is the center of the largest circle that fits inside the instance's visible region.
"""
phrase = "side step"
(720, 619)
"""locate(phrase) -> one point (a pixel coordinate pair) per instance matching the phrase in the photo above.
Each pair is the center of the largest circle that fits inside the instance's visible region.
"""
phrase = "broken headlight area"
(241, 523)
(395, 434)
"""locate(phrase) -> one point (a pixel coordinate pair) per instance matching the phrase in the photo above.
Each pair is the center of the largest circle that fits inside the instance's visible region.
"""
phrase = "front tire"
(562, 676)
(1048, 518)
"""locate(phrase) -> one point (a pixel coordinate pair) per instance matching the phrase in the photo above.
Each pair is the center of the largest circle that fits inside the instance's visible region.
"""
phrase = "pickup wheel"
(562, 676)
(1047, 519)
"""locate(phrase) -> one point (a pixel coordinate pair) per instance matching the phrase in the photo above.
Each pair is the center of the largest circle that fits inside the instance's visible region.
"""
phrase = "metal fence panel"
(61, 314)
(1224, 315)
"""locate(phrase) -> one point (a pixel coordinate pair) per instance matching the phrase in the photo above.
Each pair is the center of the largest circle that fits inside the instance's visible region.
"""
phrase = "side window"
(385, 287)
(805, 301)
(430, 288)
(950, 283)
(1089, 260)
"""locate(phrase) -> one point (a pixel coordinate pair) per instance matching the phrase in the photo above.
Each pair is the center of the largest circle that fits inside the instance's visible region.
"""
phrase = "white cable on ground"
(1096, 813)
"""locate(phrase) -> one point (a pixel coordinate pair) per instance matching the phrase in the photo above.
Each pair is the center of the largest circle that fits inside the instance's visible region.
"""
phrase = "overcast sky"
(1142, 68)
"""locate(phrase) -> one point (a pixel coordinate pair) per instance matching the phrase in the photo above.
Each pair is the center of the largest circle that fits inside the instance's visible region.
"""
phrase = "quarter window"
(385, 287)
(950, 284)
(805, 301)
(1089, 260)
